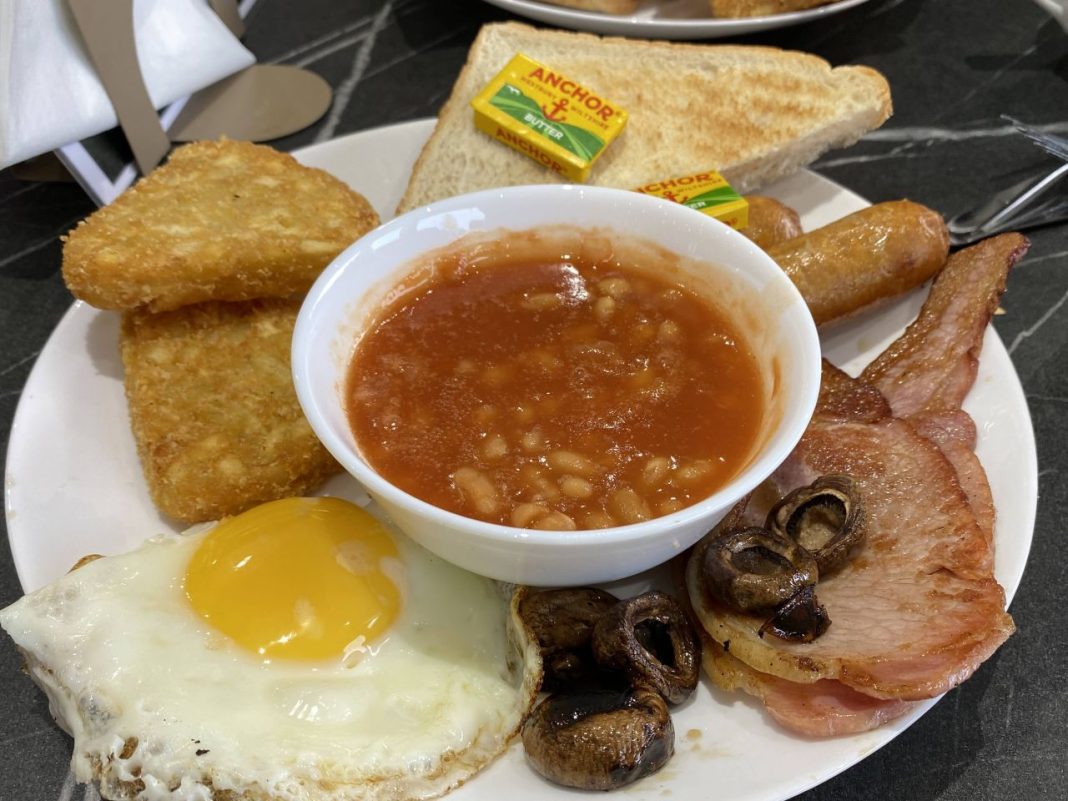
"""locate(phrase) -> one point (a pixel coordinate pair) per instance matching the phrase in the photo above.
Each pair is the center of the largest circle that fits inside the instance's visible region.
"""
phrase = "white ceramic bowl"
(353, 288)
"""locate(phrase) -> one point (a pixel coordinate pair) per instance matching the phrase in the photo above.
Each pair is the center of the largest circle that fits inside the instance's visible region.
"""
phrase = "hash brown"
(213, 409)
(221, 220)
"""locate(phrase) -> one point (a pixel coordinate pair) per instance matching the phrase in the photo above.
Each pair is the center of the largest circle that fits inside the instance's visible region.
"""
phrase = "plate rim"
(872, 740)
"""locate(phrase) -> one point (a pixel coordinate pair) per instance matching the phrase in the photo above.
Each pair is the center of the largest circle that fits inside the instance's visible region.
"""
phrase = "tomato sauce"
(555, 393)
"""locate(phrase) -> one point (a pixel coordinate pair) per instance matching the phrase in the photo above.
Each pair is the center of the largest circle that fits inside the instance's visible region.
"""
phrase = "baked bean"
(555, 521)
(571, 462)
(598, 519)
(554, 395)
(533, 440)
(692, 473)
(614, 287)
(669, 331)
(495, 447)
(477, 490)
(670, 505)
(603, 309)
(526, 513)
(544, 489)
(536, 485)
(656, 471)
(575, 487)
(628, 506)
(543, 301)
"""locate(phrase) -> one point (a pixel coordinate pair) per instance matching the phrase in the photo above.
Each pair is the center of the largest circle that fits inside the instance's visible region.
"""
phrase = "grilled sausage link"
(872, 255)
(770, 222)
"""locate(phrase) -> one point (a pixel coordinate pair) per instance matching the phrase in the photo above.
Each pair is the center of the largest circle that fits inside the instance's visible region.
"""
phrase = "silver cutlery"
(1030, 203)
(1051, 143)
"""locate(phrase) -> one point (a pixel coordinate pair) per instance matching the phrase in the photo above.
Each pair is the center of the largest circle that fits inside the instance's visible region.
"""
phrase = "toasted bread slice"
(220, 221)
(213, 410)
(754, 113)
(762, 8)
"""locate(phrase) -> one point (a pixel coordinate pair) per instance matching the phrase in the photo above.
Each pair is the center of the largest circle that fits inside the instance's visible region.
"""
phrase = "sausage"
(770, 222)
(871, 255)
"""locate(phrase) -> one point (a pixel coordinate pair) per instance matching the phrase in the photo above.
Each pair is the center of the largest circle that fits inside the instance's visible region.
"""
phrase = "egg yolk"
(299, 578)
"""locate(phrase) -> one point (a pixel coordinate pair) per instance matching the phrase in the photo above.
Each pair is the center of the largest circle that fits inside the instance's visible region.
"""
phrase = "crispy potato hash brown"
(213, 409)
(220, 220)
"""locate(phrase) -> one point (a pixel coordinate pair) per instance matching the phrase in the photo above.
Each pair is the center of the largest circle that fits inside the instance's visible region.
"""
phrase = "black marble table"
(954, 67)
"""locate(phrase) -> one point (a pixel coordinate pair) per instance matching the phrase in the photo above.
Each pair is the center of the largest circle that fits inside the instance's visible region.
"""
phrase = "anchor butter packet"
(547, 116)
(707, 192)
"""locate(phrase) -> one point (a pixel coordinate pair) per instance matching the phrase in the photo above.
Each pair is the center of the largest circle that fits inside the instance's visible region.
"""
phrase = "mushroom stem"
(801, 619)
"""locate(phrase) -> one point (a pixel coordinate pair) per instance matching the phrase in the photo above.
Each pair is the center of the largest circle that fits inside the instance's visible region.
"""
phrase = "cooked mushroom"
(599, 740)
(800, 619)
(826, 518)
(651, 641)
(563, 622)
(751, 568)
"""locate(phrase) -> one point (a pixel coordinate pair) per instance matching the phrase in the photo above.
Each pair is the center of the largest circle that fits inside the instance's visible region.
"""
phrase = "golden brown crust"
(850, 399)
(771, 222)
(221, 220)
(213, 410)
(933, 364)
(89, 557)
(865, 258)
(762, 112)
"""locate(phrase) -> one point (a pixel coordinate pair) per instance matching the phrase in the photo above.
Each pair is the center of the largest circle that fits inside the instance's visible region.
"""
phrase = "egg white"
(162, 706)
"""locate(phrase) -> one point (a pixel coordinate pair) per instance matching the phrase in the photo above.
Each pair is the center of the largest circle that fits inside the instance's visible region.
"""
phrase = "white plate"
(74, 486)
(665, 19)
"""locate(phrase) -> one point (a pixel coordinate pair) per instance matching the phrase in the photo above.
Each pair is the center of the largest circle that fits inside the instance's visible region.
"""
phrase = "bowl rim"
(726, 496)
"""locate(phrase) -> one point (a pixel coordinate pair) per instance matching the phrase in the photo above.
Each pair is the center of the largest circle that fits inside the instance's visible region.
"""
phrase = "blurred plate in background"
(665, 19)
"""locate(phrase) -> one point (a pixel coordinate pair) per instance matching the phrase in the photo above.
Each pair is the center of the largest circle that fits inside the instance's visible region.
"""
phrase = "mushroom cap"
(599, 740)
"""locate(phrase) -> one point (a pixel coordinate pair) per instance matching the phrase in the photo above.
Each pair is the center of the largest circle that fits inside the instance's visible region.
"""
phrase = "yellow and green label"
(545, 115)
(517, 105)
(707, 192)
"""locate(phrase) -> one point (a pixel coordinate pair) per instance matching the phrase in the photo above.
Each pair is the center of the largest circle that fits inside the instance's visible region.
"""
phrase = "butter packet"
(546, 115)
(706, 192)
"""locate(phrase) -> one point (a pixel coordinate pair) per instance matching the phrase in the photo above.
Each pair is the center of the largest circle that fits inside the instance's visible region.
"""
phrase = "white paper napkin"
(50, 94)
(1059, 10)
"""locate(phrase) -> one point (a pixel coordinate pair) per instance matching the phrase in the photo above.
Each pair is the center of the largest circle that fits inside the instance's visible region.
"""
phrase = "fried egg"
(302, 650)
